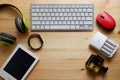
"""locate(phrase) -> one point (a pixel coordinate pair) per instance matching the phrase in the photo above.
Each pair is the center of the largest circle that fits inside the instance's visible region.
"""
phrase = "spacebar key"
(59, 27)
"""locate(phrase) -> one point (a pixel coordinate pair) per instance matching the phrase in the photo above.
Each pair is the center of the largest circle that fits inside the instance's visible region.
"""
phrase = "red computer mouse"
(106, 20)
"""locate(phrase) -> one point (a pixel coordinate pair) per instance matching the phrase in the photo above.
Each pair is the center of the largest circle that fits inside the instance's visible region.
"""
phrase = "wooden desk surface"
(64, 54)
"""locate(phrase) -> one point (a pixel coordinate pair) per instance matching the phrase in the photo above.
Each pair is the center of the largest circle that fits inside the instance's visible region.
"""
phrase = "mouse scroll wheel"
(102, 16)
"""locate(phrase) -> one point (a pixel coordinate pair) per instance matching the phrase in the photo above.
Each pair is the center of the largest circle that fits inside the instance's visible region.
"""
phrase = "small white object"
(104, 44)
(19, 64)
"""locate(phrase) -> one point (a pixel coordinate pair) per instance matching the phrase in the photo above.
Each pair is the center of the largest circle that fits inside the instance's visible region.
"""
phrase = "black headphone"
(20, 23)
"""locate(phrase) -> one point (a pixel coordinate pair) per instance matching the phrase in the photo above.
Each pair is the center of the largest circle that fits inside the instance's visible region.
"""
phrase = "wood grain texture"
(64, 54)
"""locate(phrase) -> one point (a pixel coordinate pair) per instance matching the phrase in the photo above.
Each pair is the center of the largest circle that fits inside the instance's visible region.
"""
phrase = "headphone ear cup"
(7, 38)
(25, 22)
(20, 25)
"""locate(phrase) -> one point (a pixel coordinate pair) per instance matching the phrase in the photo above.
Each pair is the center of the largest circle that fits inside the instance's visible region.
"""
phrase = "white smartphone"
(19, 64)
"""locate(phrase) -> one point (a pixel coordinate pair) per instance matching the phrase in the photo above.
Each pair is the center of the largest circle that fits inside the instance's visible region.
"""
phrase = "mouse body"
(106, 20)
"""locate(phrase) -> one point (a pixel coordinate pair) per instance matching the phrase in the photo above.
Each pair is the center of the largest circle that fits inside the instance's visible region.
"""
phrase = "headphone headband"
(10, 5)
(20, 23)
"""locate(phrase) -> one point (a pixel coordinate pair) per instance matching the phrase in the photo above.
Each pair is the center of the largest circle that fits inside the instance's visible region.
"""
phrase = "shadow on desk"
(95, 75)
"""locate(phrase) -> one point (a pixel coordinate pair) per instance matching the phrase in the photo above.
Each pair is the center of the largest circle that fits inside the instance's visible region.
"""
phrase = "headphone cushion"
(23, 25)
(25, 22)
(7, 38)
(20, 25)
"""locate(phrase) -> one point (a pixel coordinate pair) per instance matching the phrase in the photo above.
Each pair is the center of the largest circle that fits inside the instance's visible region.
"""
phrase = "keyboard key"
(33, 10)
(89, 18)
(87, 22)
(59, 27)
(77, 27)
(47, 27)
(35, 18)
(73, 27)
(34, 14)
(89, 10)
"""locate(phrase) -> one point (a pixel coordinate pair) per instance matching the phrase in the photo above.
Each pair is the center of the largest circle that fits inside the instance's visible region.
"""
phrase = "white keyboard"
(62, 17)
